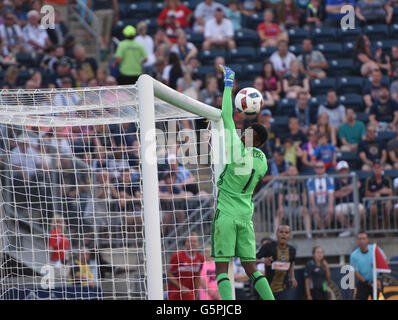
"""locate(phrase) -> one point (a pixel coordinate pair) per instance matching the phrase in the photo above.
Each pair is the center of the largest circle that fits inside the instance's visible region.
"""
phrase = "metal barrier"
(381, 214)
(326, 205)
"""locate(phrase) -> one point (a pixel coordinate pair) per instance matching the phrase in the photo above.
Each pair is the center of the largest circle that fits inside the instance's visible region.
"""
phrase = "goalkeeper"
(232, 228)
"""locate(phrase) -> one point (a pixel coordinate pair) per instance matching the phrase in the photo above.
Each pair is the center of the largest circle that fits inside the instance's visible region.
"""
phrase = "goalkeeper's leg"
(260, 283)
(223, 282)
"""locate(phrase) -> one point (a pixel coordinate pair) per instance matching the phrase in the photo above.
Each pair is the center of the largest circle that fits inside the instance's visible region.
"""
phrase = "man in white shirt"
(282, 58)
(219, 32)
(203, 13)
(36, 38)
(11, 34)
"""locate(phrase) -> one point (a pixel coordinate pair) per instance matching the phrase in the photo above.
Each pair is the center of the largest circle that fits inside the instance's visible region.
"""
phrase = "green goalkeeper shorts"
(232, 237)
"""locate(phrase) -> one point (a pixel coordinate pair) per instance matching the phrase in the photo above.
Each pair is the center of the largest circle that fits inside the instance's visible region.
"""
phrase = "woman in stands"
(324, 126)
(295, 81)
(288, 14)
(271, 81)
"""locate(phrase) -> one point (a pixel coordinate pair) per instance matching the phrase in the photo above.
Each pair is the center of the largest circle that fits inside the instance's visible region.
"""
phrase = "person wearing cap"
(344, 194)
(378, 186)
(384, 111)
(219, 32)
(130, 56)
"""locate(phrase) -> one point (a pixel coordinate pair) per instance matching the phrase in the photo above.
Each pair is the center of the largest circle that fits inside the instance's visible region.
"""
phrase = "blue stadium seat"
(331, 50)
(385, 135)
(245, 84)
(158, 7)
(321, 86)
(348, 49)
(351, 158)
(363, 175)
(241, 54)
(265, 53)
(152, 24)
(25, 59)
(296, 49)
(253, 21)
(208, 56)
(238, 68)
(285, 106)
(296, 36)
(192, 4)
(142, 10)
(350, 85)
(281, 121)
(246, 37)
(196, 38)
(204, 70)
(251, 70)
(386, 45)
(352, 100)
(394, 31)
(376, 31)
(391, 173)
(316, 101)
(340, 67)
(23, 76)
(349, 35)
(363, 116)
(124, 10)
(324, 34)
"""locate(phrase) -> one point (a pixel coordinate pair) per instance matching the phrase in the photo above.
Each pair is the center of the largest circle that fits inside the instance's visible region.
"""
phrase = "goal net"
(90, 206)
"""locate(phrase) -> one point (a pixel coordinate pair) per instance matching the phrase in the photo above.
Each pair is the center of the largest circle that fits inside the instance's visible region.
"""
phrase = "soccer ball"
(249, 101)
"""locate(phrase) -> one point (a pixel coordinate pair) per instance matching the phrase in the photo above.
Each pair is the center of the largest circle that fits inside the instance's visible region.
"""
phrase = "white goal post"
(43, 121)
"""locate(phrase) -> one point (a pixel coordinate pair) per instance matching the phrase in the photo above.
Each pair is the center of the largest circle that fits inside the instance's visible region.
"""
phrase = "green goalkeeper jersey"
(244, 169)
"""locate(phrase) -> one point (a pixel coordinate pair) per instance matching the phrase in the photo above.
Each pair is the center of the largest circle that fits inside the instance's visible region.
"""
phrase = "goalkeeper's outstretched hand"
(229, 76)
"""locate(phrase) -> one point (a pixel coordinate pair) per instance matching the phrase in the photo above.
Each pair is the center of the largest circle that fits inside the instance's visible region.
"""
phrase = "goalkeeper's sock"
(261, 285)
(224, 286)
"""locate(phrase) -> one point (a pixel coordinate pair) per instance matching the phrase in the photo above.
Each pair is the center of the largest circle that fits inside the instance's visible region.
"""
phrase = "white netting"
(70, 203)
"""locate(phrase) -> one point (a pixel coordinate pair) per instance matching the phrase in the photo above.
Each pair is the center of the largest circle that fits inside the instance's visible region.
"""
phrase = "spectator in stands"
(54, 57)
(378, 186)
(265, 118)
(80, 273)
(278, 167)
(182, 13)
(208, 281)
(281, 59)
(351, 132)
(344, 194)
(364, 56)
(268, 100)
(204, 12)
(66, 99)
(209, 93)
(302, 111)
(250, 7)
(219, 32)
(20, 12)
(187, 85)
(292, 140)
(314, 14)
(58, 243)
(147, 42)
(292, 201)
(373, 12)
(362, 260)
(324, 127)
(101, 75)
(271, 81)
(36, 38)
(82, 62)
(308, 149)
(157, 72)
(11, 35)
(58, 33)
(10, 78)
(63, 70)
(392, 149)
(333, 11)
(107, 12)
(316, 276)
(321, 195)
(184, 270)
(171, 26)
(269, 31)
(288, 14)
(130, 55)
(334, 109)
(326, 152)
(384, 111)
(184, 49)
(295, 82)
(234, 14)
(313, 62)
(392, 60)
(370, 149)
(173, 71)
(162, 43)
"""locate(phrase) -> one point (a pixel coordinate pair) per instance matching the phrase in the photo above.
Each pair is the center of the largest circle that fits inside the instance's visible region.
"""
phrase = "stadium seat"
(142, 10)
(363, 175)
(245, 84)
(192, 4)
(251, 70)
(394, 31)
(349, 85)
(363, 116)
(386, 45)
(352, 100)
(348, 49)
(208, 56)
(324, 34)
(296, 36)
(376, 31)
(296, 49)
(391, 173)
(152, 25)
(158, 7)
(204, 70)
(265, 53)
(340, 67)
(285, 106)
(124, 10)
(331, 50)
(23, 76)
(349, 35)
(241, 54)
(351, 158)
(247, 37)
(25, 59)
(196, 38)
(281, 122)
(321, 86)
(385, 135)
(316, 101)
(253, 21)
(238, 68)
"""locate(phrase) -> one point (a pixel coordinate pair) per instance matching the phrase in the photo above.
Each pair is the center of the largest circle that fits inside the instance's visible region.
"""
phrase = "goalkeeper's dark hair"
(262, 133)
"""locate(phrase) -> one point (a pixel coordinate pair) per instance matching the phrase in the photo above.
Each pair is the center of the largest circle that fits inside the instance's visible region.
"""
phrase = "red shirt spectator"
(184, 271)
(58, 243)
(182, 13)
